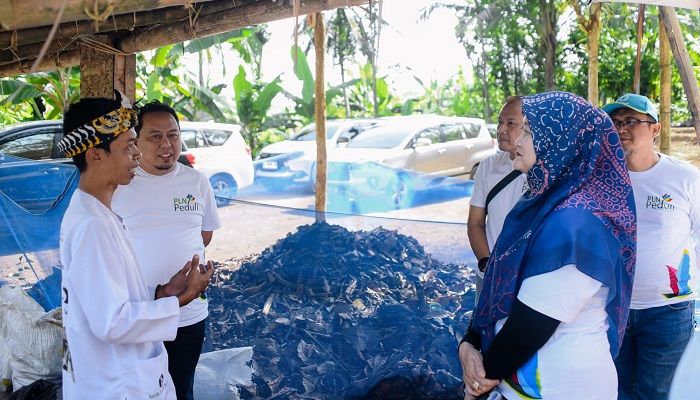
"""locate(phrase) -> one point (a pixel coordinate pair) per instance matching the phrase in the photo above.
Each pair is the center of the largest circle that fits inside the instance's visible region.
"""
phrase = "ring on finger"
(475, 385)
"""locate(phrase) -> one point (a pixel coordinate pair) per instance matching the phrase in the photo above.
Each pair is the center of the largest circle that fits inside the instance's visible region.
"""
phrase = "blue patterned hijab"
(579, 210)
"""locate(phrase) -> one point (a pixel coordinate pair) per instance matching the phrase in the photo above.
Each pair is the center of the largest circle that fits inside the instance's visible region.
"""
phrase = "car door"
(32, 184)
(480, 145)
(428, 158)
(196, 144)
(457, 146)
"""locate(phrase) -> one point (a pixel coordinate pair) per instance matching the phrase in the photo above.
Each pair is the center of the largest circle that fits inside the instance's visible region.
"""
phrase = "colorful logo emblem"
(664, 202)
(526, 381)
(678, 278)
(187, 203)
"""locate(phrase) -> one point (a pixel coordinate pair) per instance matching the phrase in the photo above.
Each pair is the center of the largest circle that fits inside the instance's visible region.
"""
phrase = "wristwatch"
(482, 263)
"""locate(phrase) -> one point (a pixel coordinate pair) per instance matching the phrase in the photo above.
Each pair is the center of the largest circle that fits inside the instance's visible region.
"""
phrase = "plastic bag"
(34, 338)
(218, 373)
(685, 382)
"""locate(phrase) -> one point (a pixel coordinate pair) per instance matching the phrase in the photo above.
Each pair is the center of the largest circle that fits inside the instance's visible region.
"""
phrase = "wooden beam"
(226, 21)
(32, 50)
(665, 83)
(49, 63)
(19, 14)
(680, 53)
(320, 117)
(132, 21)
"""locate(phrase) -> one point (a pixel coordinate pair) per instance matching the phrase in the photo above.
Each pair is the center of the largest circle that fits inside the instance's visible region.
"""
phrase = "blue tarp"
(34, 196)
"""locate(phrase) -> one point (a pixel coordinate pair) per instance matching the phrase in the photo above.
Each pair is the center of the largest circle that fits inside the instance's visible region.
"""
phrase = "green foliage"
(44, 95)
(304, 105)
(253, 101)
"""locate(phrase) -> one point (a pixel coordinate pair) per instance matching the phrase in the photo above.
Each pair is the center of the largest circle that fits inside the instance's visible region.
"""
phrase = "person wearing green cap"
(666, 192)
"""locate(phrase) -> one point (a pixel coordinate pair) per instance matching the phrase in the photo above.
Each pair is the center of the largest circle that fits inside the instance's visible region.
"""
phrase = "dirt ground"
(684, 145)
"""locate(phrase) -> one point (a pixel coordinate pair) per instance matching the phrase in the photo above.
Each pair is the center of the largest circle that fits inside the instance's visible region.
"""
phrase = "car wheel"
(472, 174)
(224, 187)
(403, 192)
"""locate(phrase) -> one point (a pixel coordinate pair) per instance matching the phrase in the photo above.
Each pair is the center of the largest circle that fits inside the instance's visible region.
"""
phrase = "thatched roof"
(130, 25)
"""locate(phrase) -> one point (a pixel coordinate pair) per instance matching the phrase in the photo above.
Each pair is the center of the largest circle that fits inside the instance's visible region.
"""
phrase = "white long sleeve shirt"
(114, 328)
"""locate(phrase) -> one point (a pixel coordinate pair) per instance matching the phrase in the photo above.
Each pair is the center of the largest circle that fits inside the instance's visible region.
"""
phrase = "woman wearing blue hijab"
(556, 293)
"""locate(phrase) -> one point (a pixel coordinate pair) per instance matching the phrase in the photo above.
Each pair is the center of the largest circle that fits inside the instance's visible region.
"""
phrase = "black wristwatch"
(482, 263)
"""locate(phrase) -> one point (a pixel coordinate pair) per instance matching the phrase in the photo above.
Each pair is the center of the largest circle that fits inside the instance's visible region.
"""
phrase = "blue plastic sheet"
(34, 196)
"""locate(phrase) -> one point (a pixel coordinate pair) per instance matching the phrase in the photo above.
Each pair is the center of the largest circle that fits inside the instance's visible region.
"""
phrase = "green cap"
(636, 102)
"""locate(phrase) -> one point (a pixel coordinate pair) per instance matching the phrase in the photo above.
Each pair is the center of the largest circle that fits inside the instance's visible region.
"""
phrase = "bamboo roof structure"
(130, 25)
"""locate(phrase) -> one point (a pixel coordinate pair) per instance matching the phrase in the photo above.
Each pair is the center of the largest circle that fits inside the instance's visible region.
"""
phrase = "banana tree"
(48, 94)
(253, 101)
(164, 78)
(304, 104)
(370, 94)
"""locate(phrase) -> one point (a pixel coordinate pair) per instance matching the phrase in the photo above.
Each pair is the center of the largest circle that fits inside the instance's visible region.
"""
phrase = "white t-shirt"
(491, 171)
(166, 216)
(114, 328)
(667, 197)
(575, 363)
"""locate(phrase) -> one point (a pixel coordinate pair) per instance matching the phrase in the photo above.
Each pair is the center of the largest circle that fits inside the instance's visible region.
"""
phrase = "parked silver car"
(408, 154)
(293, 161)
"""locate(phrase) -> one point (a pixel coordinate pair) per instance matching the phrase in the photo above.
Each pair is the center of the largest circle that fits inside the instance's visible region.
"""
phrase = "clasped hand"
(473, 373)
(189, 282)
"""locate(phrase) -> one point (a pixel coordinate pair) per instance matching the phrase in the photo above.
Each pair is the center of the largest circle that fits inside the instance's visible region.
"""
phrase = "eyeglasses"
(630, 122)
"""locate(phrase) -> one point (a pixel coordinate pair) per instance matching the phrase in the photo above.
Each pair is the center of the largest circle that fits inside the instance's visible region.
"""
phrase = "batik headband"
(103, 129)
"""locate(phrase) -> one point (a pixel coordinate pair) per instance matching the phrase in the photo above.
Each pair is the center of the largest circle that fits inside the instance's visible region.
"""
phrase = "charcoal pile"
(334, 314)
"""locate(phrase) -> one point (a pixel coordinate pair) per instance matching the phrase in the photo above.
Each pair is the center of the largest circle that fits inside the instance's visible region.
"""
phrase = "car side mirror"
(422, 142)
(343, 141)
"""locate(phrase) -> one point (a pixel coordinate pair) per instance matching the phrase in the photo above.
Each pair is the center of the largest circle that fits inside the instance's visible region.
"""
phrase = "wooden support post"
(320, 108)
(101, 73)
(125, 75)
(680, 53)
(665, 83)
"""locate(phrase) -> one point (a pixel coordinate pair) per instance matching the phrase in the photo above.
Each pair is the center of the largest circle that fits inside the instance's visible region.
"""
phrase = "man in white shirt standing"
(169, 204)
(483, 231)
(667, 197)
(115, 324)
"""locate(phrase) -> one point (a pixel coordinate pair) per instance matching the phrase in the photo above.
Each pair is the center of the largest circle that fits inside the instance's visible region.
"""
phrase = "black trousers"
(183, 355)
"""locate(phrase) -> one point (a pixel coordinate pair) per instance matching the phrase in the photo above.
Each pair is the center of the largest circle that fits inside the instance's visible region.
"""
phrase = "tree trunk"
(548, 13)
(593, 33)
(665, 83)
(638, 60)
(485, 84)
(320, 109)
(346, 102)
(680, 53)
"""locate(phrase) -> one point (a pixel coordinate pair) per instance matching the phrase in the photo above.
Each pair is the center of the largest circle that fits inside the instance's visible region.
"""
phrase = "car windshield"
(380, 138)
(308, 133)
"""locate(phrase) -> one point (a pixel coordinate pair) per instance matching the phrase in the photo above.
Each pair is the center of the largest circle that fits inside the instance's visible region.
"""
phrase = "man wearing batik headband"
(115, 325)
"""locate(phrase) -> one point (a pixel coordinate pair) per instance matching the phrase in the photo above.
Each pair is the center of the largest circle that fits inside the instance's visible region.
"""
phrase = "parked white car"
(219, 151)
(293, 161)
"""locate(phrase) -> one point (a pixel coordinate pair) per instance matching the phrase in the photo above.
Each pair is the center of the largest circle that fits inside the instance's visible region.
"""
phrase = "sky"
(408, 46)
